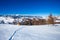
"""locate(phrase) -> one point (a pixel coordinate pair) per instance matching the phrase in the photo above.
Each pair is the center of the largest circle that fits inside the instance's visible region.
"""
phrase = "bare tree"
(50, 19)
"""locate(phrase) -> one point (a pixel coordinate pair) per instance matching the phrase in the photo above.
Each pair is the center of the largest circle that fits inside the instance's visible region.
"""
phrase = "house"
(57, 21)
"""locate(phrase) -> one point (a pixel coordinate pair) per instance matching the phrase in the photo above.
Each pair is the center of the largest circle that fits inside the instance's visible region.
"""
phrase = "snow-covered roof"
(57, 21)
(2, 18)
(7, 19)
(58, 17)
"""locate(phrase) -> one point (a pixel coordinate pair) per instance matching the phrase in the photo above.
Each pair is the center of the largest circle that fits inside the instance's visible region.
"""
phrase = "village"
(30, 20)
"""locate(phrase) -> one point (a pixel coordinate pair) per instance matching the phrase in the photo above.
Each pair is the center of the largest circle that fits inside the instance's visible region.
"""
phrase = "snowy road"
(41, 32)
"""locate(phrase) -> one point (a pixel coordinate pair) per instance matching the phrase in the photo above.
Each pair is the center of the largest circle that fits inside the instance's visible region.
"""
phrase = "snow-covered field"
(36, 32)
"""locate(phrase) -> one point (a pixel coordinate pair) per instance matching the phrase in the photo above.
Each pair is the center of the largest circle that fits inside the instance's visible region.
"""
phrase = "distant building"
(57, 21)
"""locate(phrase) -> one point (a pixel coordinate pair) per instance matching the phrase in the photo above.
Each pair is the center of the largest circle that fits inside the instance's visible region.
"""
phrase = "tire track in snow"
(15, 32)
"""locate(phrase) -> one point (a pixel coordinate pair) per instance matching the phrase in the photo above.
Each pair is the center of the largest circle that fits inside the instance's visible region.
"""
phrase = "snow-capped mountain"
(16, 17)
(21, 18)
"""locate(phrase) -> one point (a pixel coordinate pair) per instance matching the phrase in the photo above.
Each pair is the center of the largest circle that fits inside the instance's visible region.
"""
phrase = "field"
(34, 32)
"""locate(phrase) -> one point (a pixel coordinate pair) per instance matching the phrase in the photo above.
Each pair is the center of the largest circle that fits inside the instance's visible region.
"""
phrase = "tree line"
(33, 21)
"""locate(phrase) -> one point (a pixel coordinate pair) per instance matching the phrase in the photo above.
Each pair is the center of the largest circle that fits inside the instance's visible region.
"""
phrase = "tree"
(2, 22)
(50, 19)
(27, 22)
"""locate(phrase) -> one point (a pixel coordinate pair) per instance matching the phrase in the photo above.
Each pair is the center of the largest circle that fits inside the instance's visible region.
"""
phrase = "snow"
(7, 19)
(2, 18)
(58, 17)
(6, 31)
(34, 32)
(57, 21)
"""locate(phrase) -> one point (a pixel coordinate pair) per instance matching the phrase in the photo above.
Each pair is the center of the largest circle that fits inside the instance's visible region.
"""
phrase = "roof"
(58, 17)
(57, 21)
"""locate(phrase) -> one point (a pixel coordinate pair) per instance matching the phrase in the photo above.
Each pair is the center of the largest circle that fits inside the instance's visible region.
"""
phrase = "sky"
(30, 7)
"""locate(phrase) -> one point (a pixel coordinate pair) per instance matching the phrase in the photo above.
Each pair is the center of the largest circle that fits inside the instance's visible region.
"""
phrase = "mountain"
(16, 17)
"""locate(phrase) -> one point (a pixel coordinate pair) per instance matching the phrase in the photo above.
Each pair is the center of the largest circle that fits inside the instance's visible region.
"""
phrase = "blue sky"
(30, 7)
